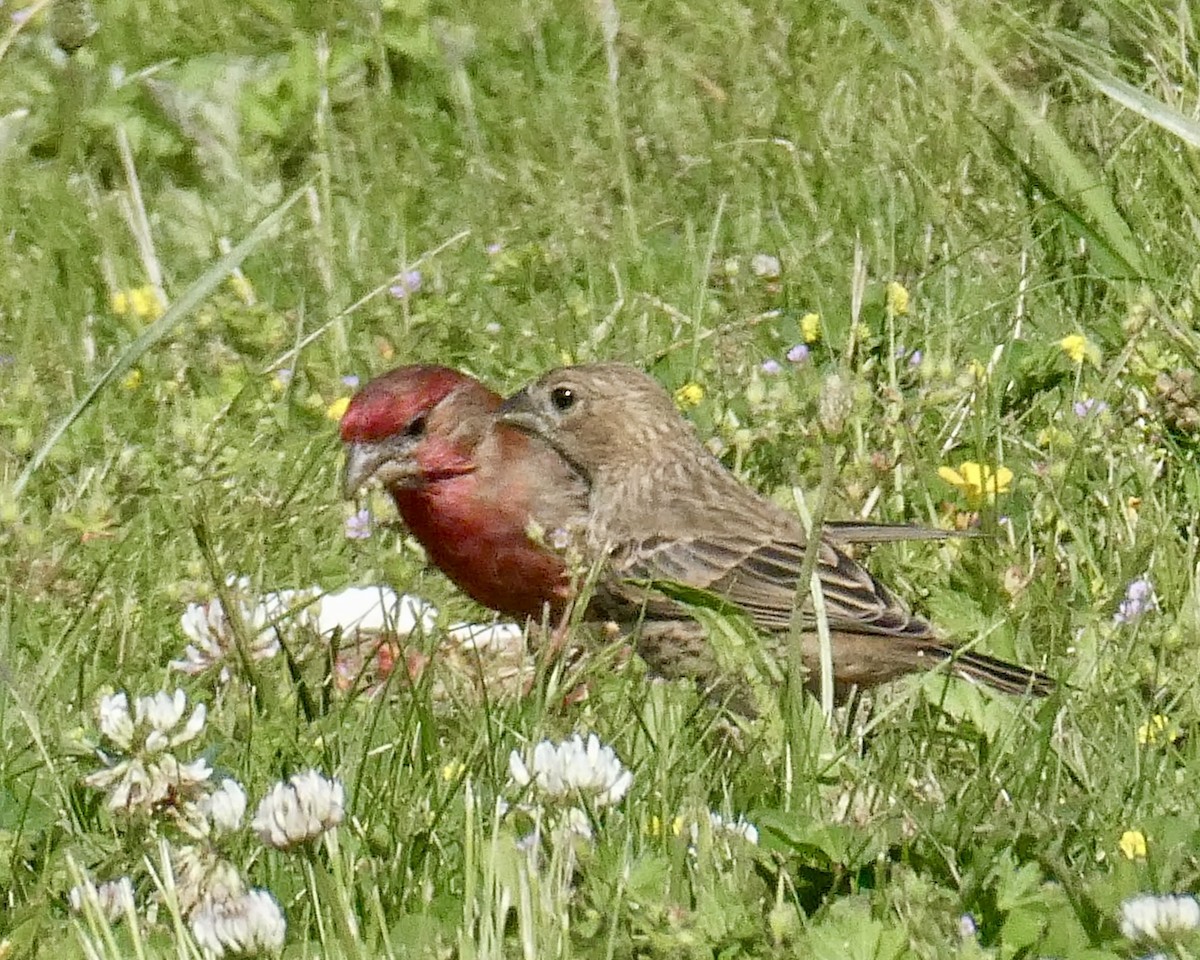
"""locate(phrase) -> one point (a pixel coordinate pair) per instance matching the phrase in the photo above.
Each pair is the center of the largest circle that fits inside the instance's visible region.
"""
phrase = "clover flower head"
(112, 898)
(1149, 917)
(202, 874)
(358, 525)
(740, 827)
(225, 806)
(1138, 601)
(300, 809)
(162, 713)
(406, 284)
(572, 768)
(798, 353)
(250, 923)
(764, 266)
(115, 722)
(771, 367)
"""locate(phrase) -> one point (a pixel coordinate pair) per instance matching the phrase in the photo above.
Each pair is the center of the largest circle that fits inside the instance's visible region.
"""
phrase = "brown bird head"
(599, 417)
(413, 426)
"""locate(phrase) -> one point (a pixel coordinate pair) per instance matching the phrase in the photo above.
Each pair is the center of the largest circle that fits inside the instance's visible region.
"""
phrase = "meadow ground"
(983, 218)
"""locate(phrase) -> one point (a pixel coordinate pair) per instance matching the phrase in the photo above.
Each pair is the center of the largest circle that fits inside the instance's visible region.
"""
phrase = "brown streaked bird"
(663, 508)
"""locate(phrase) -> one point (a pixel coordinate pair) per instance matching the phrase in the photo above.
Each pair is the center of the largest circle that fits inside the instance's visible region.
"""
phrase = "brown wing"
(760, 577)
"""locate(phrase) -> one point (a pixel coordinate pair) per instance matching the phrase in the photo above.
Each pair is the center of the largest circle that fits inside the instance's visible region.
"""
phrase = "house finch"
(662, 508)
(469, 489)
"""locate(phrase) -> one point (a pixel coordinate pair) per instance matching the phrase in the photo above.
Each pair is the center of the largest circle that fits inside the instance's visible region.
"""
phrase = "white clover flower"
(115, 722)
(487, 637)
(358, 610)
(247, 924)
(741, 827)
(140, 786)
(202, 875)
(225, 807)
(162, 712)
(111, 898)
(571, 768)
(353, 612)
(1147, 917)
(764, 266)
(302, 808)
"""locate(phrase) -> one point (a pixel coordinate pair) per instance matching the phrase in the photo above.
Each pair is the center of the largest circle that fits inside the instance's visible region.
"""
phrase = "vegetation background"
(503, 187)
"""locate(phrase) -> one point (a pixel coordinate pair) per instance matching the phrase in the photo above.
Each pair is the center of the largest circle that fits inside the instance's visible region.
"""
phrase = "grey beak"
(521, 412)
(363, 461)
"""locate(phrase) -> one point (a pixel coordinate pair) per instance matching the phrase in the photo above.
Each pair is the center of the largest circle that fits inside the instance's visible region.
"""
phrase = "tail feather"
(1004, 676)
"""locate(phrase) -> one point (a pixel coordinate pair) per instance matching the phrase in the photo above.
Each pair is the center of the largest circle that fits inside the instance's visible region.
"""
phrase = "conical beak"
(520, 411)
(363, 461)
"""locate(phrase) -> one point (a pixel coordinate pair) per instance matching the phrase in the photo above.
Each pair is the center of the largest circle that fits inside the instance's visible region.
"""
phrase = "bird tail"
(1004, 676)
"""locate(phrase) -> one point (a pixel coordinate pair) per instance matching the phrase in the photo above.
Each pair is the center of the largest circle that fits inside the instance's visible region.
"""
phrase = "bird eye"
(416, 427)
(563, 398)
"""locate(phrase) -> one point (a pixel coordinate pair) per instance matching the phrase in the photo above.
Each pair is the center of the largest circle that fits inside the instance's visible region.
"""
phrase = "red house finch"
(466, 486)
(661, 507)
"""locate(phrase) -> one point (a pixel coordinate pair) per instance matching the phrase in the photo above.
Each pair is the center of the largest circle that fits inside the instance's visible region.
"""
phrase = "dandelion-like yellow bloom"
(133, 379)
(978, 481)
(147, 304)
(337, 409)
(810, 327)
(689, 395)
(1132, 845)
(453, 770)
(1158, 729)
(897, 299)
(1077, 347)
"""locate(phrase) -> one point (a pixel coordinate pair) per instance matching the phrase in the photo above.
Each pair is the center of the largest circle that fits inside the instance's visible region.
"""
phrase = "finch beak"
(365, 461)
(520, 411)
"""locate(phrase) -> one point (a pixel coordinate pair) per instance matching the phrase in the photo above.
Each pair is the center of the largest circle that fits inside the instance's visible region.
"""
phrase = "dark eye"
(416, 427)
(563, 398)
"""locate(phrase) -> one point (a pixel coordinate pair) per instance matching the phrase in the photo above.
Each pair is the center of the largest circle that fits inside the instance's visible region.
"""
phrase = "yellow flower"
(1133, 845)
(978, 371)
(978, 481)
(337, 409)
(243, 288)
(453, 770)
(810, 327)
(133, 379)
(1158, 729)
(689, 395)
(897, 299)
(1078, 348)
(143, 303)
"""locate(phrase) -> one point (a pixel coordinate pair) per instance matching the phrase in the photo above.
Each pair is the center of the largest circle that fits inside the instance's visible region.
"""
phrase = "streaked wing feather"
(760, 576)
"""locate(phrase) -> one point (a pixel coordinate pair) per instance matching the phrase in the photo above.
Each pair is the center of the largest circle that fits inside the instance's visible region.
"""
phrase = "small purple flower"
(771, 367)
(7, 359)
(915, 358)
(358, 527)
(967, 929)
(492, 327)
(1139, 600)
(20, 16)
(351, 381)
(494, 248)
(798, 353)
(1091, 405)
(284, 376)
(410, 283)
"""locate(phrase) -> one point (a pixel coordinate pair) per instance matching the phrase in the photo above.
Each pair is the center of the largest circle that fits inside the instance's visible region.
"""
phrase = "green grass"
(974, 158)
